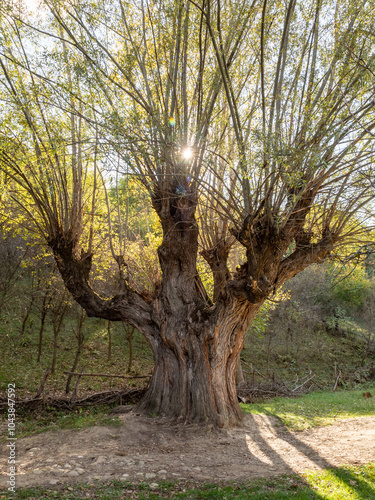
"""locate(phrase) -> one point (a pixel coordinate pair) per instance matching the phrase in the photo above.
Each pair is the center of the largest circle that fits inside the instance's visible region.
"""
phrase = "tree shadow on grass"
(354, 483)
(259, 446)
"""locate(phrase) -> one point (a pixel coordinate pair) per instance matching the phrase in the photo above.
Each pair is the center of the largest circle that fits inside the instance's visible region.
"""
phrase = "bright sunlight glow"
(187, 153)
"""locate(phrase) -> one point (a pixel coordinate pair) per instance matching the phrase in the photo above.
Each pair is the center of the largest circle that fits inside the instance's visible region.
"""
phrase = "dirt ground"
(151, 449)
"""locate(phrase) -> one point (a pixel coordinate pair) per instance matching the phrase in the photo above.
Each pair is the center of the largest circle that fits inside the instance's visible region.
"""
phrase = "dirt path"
(150, 449)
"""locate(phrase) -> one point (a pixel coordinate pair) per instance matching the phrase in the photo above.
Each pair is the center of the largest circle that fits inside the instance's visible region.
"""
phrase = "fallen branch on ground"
(118, 397)
(305, 382)
(106, 375)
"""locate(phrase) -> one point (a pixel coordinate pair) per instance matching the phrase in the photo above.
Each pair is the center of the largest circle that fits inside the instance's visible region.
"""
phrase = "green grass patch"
(51, 420)
(316, 408)
(345, 483)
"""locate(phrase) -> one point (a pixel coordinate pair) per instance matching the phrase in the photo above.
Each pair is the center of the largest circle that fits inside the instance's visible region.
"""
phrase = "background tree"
(245, 122)
(13, 251)
(80, 337)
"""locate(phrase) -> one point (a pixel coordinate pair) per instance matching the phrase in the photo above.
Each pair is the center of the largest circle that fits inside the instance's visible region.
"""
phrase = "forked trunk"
(197, 344)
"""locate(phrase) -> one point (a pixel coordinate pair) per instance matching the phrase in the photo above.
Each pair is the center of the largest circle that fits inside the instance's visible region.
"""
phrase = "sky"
(35, 6)
(31, 4)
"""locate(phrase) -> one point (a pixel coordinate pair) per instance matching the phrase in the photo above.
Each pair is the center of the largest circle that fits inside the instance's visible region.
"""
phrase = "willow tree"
(248, 123)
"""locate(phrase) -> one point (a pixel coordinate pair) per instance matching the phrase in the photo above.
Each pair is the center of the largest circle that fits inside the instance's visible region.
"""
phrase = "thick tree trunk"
(186, 385)
(240, 378)
(194, 377)
(197, 346)
(181, 385)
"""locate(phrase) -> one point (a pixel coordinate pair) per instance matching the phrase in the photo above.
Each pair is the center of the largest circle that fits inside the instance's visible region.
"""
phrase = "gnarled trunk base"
(194, 378)
(183, 388)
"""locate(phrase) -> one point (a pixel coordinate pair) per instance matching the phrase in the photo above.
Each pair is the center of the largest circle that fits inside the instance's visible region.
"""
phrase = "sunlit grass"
(316, 408)
(349, 483)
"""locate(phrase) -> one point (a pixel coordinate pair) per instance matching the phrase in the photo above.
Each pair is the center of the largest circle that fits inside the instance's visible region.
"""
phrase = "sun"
(187, 153)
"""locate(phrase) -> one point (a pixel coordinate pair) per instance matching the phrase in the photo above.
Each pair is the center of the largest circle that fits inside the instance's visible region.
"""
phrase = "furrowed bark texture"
(196, 345)
(195, 348)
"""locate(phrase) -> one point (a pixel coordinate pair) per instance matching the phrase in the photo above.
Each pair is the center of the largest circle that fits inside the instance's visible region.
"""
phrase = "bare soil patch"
(152, 449)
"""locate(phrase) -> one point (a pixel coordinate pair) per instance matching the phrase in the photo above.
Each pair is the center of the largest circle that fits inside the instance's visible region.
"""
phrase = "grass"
(344, 483)
(19, 355)
(19, 365)
(50, 420)
(316, 408)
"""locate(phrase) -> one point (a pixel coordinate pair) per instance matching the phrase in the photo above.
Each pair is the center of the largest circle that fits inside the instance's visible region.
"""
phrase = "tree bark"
(240, 378)
(194, 374)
